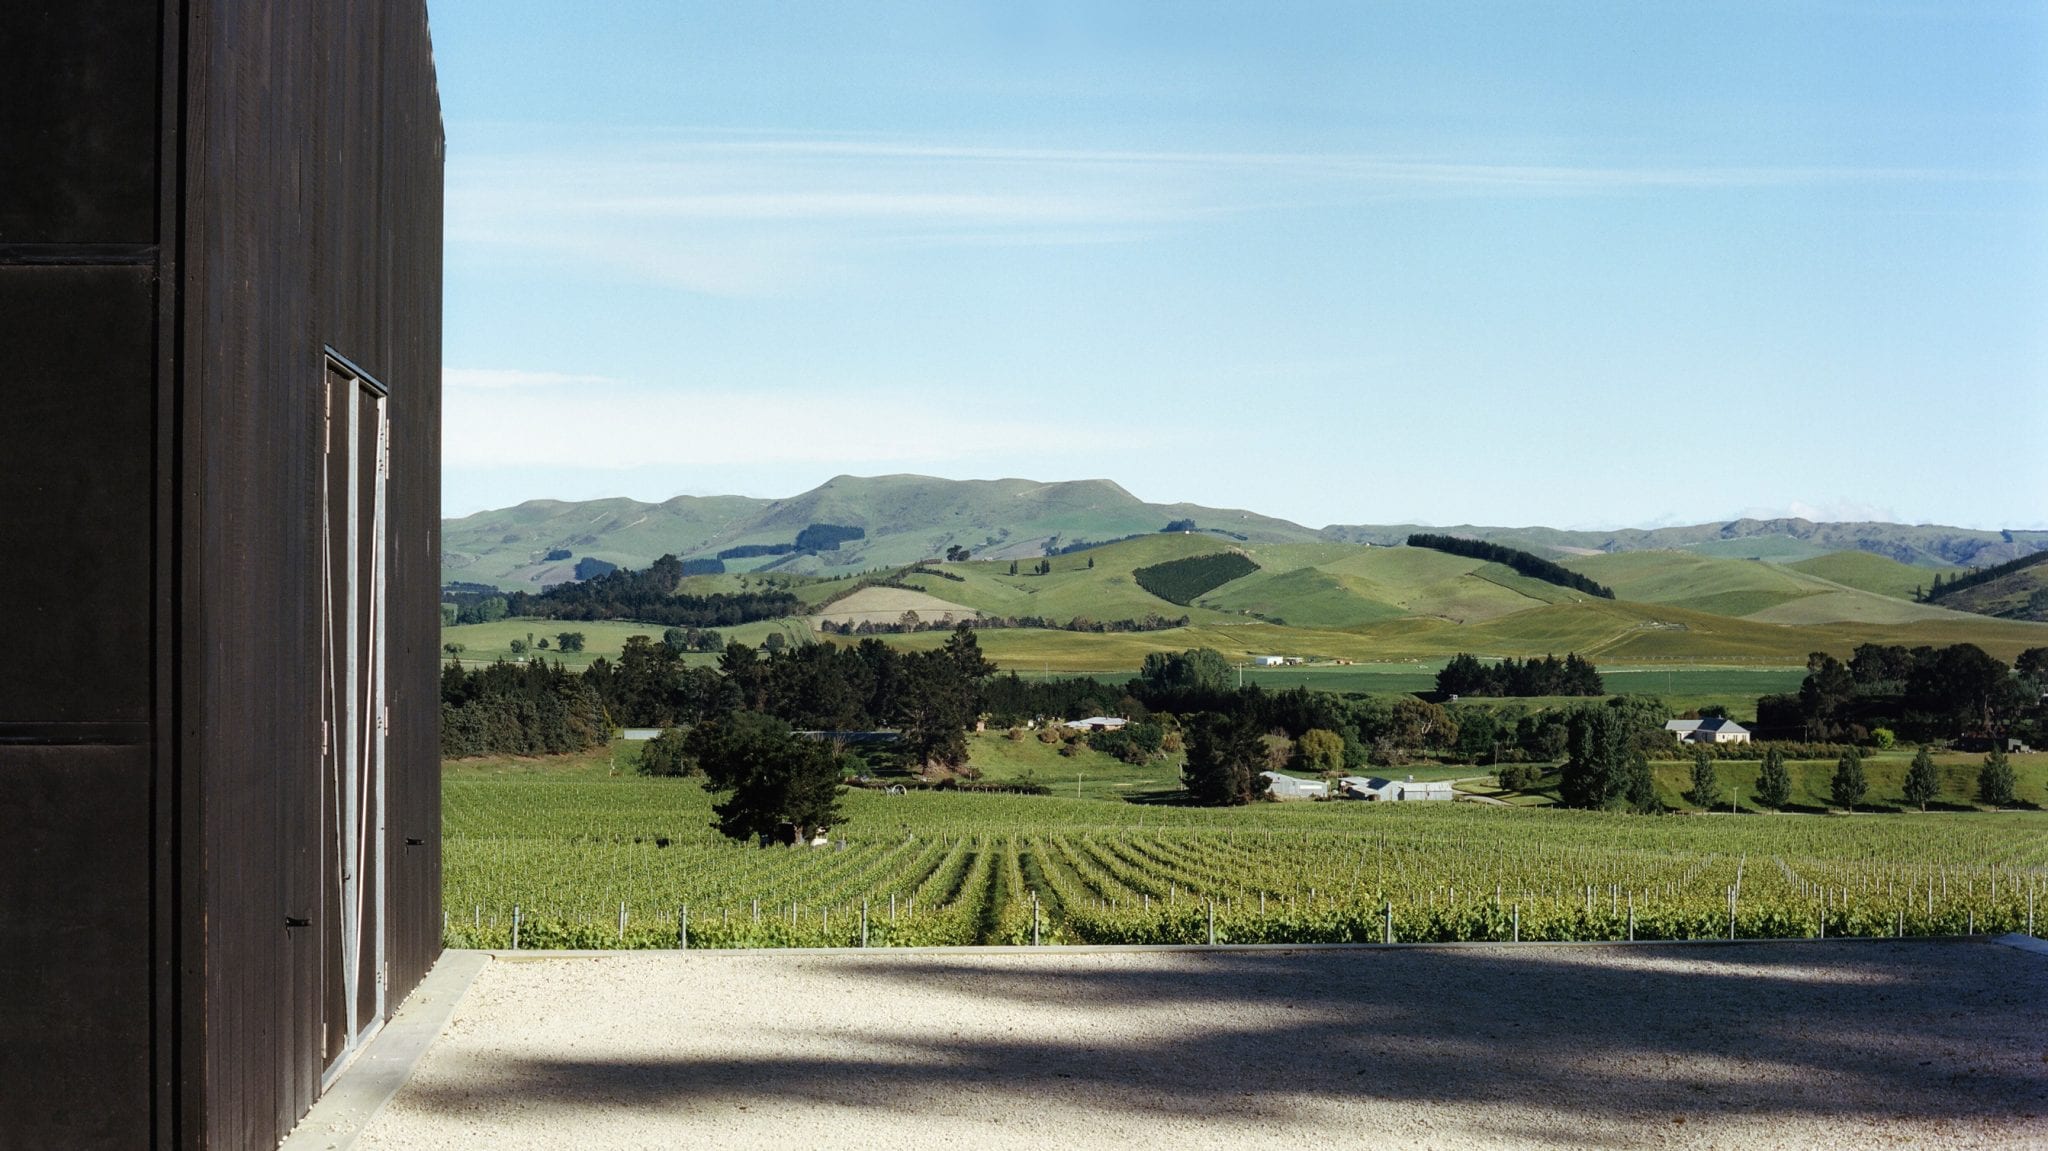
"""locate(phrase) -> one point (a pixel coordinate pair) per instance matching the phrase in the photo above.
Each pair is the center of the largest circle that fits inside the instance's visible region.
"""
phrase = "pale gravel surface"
(1795, 1045)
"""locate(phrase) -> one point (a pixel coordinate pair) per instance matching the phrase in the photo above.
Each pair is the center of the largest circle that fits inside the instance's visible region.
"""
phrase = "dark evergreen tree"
(1225, 755)
(1773, 783)
(1922, 783)
(1706, 783)
(1995, 781)
(1848, 786)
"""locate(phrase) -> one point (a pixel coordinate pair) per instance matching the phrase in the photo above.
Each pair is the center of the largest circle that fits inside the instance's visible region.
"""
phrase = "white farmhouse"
(1716, 730)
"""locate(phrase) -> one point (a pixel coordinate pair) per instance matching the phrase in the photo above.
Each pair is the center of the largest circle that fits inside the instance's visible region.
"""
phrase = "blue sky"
(1579, 264)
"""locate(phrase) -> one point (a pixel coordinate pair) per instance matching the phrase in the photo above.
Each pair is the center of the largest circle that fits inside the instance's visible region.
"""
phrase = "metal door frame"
(360, 725)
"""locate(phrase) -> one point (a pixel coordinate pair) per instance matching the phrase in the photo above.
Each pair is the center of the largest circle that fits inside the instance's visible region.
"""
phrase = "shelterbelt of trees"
(1956, 692)
(1187, 700)
(1466, 675)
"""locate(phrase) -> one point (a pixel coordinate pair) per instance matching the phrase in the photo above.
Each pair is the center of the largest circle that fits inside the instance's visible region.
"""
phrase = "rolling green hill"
(1313, 595)
(1872, 573)
(906, 519)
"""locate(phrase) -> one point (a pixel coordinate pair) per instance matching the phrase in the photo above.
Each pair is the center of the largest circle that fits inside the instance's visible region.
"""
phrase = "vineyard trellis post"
(515, 927)
(683, 927)
(863, 923)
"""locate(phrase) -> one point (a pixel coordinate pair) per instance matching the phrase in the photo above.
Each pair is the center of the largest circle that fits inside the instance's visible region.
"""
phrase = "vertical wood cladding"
(199, 199)
(313, 193)
(78, 111)
(77, 354)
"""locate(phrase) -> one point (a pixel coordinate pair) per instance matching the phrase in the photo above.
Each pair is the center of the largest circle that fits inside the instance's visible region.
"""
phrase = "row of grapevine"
(604, 864)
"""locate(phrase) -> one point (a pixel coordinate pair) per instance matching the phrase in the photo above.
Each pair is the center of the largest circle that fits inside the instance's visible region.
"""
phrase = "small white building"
(1395, 790)
(1269, 661)
(1715, 730)
(640, 734)
(1097, 723)
(1293, 787)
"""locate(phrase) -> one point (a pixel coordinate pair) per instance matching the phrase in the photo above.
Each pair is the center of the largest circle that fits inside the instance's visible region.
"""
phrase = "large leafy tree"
(1199, 669)
(1922, 784)
(1225, 757)
(1828, 687)
(769, 776)
(939, 698)
(1604, 767)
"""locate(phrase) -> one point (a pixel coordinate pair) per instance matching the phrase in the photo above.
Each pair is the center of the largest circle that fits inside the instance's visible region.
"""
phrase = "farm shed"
(220, 301)
(1269, 661)
(1392, 790)
(1714, 730)
(1097, 723)
(1292, 787)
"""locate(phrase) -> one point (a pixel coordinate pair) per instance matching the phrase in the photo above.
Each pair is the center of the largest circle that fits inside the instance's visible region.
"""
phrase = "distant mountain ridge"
(908, 518)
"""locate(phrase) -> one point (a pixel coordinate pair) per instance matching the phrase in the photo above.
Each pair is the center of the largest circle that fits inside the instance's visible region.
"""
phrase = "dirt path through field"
(1773, 1045)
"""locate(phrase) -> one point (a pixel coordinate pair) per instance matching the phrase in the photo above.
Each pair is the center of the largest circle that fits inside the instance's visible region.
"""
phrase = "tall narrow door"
(354, 474)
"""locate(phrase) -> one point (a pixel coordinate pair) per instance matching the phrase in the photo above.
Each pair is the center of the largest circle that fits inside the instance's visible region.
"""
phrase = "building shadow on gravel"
(1562, 1036)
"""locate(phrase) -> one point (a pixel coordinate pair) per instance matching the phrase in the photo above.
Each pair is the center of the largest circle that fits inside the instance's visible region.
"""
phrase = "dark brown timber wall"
(198, 201)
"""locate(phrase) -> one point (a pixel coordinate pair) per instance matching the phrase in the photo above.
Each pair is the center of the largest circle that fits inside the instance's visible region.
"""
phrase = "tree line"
(1917, 694)
(1466, 675)
(649, 595)
(1972, 579)
(1524, 563)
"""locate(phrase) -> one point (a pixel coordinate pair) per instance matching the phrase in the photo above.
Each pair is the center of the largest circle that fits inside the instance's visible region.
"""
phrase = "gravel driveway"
(1771, 1045)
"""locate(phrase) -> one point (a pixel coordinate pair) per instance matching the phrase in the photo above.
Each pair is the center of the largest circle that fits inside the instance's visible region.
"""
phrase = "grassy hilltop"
(1752, 595)
(907, 518)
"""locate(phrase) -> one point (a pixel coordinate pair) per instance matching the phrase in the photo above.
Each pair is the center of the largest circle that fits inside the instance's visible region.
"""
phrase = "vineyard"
(610, 863)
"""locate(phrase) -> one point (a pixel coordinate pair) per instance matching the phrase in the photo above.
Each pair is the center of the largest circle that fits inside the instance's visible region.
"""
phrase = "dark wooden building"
(220, 253)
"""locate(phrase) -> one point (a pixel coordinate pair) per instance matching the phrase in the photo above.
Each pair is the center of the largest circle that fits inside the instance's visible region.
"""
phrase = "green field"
(1873, 573)
(568, 844)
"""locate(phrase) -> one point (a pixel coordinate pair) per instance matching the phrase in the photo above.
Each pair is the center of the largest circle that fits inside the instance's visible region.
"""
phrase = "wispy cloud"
(736, 216)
